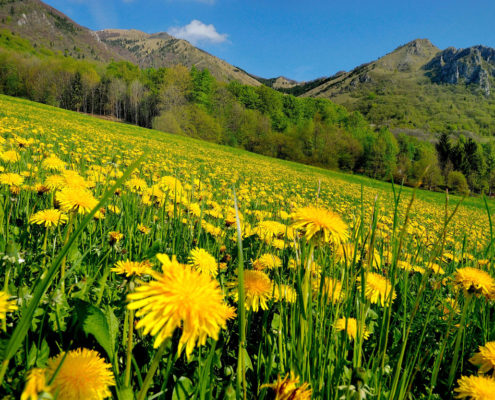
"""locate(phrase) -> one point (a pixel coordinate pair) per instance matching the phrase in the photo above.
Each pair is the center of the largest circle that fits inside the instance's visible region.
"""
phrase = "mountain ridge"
(420, 86)
(47, 27)
(416, 86)
(161, 49)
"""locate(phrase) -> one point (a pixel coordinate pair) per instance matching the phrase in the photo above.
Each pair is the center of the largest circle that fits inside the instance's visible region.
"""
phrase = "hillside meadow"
(137, 264)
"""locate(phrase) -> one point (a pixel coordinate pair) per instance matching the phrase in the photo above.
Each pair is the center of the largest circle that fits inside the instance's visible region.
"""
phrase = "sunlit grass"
(359, 295)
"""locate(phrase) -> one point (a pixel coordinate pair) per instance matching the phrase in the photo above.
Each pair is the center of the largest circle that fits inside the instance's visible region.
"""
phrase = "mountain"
(163, 50)
(47, 27)
(419, 86)
(405, 63)
(44, 26)
(280, 82)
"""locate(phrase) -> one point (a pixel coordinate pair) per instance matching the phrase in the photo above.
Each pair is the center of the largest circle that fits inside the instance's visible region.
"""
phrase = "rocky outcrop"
(473, 65)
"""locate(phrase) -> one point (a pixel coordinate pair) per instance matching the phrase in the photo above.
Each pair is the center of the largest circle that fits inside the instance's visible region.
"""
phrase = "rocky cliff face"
(473, 65)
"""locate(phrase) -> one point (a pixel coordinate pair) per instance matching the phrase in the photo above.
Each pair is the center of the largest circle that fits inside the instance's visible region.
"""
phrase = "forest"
(191, 102)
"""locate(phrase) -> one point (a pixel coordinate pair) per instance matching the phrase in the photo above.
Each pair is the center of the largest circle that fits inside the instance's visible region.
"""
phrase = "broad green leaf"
(43, 355)
(183, 389)
(93, 321)
(113, 325)
(247, 360)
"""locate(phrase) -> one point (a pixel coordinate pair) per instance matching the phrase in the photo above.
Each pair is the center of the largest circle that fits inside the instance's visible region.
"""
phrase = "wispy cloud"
(196, 31)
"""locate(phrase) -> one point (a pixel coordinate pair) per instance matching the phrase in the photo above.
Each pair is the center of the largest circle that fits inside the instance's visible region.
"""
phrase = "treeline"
(259, 119)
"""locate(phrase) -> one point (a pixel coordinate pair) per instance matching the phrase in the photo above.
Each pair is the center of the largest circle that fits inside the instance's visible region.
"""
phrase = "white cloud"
(196, 31)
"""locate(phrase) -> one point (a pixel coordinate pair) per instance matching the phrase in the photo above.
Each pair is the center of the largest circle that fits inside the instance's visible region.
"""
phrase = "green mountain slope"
(44, 26)
(47, 27)
(419, 86)
(163, 50)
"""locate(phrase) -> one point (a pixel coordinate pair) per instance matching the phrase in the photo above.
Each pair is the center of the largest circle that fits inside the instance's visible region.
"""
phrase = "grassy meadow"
(137, 264)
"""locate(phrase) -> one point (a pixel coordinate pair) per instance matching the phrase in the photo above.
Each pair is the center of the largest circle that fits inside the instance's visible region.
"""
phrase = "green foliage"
(123, 70)
(13, 42)
(102, 325)
(422, 105)
(456, 181)
(202, 82)
(381, 162)
(259, 119)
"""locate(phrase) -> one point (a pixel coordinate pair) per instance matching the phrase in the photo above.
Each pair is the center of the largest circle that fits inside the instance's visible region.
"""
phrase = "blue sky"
(298, 39)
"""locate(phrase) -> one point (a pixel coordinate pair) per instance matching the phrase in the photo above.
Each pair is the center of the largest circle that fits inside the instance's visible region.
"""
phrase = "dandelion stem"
(151, 372)
(127, 375)
(241, 371)
(460, 332)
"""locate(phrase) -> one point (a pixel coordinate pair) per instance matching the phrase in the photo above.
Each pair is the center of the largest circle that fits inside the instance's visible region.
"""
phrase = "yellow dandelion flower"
(230, 218)
(346, 252)
(485, 359)
(113, 208)
(404, 265)
(100, 214)
(258, 290)
(203, 261)
(74, 180)
(15, 190)
(475, 388)
(289, 388)
(10, 156)
(35, 385)
(53, 163)
(115, 237)
(284, 292)
(437, 269)
(194, 209)
(349, 325)
(6, 305)
(40, 189)
(76, 199)
(448, 306)
(378, 289)
(11, 179)
(170, 183)
(267, 261)
(270, 229)
(320, 223)
(474, 280)
(332, 289)
(143, 229)
(83, 374)
(180, 297)
(137, 184)
(132, 268)
(153, 196)
(50, 217)
(230, 313)
(278, 243)
(54, 182)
